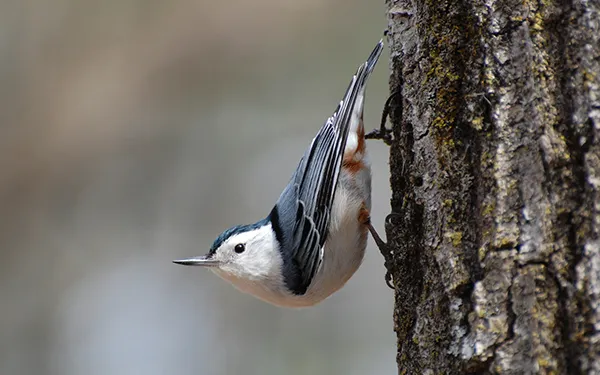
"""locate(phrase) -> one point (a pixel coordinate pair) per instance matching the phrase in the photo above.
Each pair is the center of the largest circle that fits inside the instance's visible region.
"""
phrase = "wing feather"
(302, 214)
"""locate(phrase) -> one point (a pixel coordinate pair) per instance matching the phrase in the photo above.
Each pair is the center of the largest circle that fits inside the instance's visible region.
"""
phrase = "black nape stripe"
(233, 231)
(292, 276)
(274, 218)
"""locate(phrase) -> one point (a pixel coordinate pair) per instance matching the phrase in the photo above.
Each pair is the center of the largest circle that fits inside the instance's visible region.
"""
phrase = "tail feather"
(355, 144)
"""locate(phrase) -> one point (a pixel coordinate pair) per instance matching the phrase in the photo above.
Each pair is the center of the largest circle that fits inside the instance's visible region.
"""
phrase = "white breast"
(345, 246)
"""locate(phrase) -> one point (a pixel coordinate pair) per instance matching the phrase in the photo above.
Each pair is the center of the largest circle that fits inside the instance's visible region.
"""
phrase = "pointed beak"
(199, 261)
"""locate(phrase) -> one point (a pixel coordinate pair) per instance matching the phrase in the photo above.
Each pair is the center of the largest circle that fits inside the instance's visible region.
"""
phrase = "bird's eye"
(239, 248)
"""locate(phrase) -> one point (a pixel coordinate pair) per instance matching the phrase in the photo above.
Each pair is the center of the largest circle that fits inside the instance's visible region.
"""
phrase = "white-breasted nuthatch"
(314, 239)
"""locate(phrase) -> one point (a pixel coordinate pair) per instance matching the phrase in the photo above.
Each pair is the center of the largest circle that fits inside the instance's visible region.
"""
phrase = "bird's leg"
(385, 251)
(384, 248)
(378, 241)
(384, 133)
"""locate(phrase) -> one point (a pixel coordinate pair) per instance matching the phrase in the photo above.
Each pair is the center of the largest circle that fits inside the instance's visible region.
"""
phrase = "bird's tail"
(355, 144)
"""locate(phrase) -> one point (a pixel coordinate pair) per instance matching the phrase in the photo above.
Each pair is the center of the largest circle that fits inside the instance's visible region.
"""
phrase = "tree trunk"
(495, 173)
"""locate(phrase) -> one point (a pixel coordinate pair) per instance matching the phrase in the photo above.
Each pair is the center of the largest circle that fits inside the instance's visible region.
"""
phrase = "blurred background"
(132, 132)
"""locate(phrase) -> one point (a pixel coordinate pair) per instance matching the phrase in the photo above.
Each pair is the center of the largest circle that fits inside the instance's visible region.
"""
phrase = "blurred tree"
(495, 171)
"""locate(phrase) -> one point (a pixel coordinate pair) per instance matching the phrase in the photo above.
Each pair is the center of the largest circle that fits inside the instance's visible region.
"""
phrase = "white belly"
(347, 239)
(344, 249)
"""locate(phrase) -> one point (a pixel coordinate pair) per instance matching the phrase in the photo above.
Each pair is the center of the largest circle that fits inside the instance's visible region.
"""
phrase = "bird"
(314, 238)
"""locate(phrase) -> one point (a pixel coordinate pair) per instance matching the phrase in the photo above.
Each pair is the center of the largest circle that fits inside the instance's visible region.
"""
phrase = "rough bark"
(495, 173)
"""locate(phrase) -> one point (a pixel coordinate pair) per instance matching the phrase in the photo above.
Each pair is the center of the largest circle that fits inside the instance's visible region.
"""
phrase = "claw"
(389, 219)
(388, 280)
(384, 133)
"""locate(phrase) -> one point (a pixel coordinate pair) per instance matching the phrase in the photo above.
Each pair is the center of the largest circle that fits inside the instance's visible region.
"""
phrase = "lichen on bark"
(495, 174)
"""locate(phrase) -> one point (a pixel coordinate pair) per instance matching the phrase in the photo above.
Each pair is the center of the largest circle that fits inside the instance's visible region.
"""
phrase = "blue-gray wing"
(302, 214)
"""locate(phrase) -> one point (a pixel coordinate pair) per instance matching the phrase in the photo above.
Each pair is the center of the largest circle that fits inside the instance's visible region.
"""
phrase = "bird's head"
(248, 252)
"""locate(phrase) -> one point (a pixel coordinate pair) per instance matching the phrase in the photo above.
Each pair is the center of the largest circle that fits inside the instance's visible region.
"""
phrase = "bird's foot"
(383, 132)
(385, 249)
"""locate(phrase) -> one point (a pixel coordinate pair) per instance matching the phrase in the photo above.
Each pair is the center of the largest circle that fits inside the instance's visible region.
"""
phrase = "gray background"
(133, 132)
